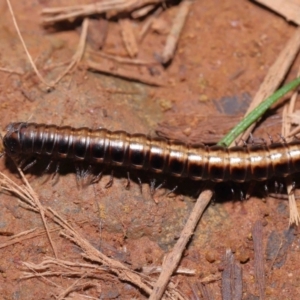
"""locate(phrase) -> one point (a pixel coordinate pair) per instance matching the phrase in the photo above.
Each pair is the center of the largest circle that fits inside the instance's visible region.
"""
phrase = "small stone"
(165, 104)
(203, 98)
(242, 256)
(187, 131)
(210, 257)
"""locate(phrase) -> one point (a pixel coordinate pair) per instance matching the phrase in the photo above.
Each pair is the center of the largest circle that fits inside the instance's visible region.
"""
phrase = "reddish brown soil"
(226, 49)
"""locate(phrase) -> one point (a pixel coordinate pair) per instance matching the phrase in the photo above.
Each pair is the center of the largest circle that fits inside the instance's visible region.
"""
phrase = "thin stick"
(148, 23)
(176, 30)
(123, 60)
(286, 129)
(173, 258)
(79, 53)
(294, 131)
(27, 194)
(41, 209)
(92, 254)
(26, 235)
(25, 47)
(89, 252)
(128, 37)
(6, 70)
(70, 288)
(112, 7)
(129, 75)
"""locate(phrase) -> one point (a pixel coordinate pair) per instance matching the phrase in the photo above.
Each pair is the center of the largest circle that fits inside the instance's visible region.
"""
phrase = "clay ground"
(224, 53)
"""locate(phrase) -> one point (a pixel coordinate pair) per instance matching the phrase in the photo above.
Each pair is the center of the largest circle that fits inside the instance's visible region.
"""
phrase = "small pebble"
(210, 257)
(242, 256)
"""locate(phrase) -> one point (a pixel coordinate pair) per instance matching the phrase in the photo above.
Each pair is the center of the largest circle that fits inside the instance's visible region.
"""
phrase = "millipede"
(256, 162)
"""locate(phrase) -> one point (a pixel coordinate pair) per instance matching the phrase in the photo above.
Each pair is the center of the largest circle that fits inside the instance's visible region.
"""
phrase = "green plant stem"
(257, 112)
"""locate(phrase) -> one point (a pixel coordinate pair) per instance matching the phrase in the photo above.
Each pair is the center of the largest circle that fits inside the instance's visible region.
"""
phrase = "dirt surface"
(223, 55)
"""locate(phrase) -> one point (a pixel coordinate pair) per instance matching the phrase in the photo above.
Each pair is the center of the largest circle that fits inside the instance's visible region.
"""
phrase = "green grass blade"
(257, 112)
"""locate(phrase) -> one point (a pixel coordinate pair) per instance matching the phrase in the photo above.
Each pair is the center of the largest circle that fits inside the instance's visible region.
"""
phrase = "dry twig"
(27, 194)
(25, 235)
(126, 74)
(6, 70)
(74, 61)
(30, 199)
(79, 53)
(112, 7)
(286, 129)
(173, 258)
(123, 60)
(148, 23)
(288, 8)
(128, 37)
(143, 11)
(157, 269)
(25, 47)
(175, 32)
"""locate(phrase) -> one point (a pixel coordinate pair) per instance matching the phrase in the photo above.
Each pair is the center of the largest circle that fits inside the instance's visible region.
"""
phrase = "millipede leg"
(48, 167)
(242, 196)
(270, 139)
(251, 139)
(127, 185)
(152, 186)
(78, 174)
(266, 190)
(244, 142)
(213, 198)
(293, 188)
(87, 172)
(283, 139)
(173, 190)
(28, 166)
(276, 187)
(96, 179)
(140, 184)
(22, 162)
(55, 174)
(56, 170)
(46, 170)
(160, 185)
(232, 191)
(257, 141)
(250, 190)
(281, 187)
(111, 180)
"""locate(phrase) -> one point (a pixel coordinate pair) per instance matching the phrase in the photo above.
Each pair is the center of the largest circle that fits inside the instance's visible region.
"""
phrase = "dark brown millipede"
(138, 151)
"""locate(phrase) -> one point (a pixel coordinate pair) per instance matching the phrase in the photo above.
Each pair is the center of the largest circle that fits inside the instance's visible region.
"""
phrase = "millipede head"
(11, 141)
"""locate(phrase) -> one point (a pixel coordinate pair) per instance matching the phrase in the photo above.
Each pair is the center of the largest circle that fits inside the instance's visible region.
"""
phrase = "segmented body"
(138, 151)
